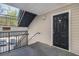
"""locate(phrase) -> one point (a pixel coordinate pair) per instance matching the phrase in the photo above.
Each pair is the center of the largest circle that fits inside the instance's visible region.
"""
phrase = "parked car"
(3, 42)
(12, 42)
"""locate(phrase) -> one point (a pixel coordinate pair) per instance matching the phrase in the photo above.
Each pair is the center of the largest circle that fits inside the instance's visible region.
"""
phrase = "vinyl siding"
(45, 27)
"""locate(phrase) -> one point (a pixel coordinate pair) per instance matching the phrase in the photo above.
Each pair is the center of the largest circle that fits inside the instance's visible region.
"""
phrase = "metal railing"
(10, 40)
(33, 36)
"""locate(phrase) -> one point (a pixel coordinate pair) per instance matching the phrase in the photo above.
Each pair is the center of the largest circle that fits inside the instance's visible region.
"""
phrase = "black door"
(60, 30)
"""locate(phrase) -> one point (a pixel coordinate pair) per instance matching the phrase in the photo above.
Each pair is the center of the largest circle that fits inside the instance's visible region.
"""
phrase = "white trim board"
(70, 39)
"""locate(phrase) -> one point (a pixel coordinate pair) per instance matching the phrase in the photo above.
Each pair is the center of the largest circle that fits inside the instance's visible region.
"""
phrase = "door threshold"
(61, 48)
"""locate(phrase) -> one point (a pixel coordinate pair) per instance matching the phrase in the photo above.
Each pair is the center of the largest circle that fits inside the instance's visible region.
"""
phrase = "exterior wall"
(42, 24)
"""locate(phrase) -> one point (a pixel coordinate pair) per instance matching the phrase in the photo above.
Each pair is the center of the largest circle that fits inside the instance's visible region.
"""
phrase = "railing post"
(3, 41)
(16, 41)
(27, 38)
(19, 41)
(8, 41)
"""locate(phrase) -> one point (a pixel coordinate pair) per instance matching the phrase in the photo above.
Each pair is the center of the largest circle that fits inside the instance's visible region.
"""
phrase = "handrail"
(34, 35)
(12, 33)
(21, 39)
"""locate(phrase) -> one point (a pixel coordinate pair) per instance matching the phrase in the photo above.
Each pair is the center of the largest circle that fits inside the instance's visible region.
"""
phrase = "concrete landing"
(38, 49)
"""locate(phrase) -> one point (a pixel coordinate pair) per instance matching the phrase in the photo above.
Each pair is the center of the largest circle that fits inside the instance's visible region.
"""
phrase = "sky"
(7, 7)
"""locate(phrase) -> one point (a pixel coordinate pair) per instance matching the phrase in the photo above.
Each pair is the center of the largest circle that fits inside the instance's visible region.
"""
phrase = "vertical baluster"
(0, 46)
(20, 40)
(26, 38)
(3, 40)
(8, 41)
(16, 40)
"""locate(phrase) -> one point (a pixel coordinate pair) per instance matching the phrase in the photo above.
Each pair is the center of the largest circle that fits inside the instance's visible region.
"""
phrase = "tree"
(7, 10)
(12, 14)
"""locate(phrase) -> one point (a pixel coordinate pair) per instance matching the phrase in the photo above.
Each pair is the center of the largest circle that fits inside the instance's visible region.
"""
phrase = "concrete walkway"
(38, 49)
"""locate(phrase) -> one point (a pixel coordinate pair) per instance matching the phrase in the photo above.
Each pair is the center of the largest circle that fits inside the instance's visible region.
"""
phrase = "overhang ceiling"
(38, 8)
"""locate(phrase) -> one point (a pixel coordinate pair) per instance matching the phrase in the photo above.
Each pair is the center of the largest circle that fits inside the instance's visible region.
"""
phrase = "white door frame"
(70, 38)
